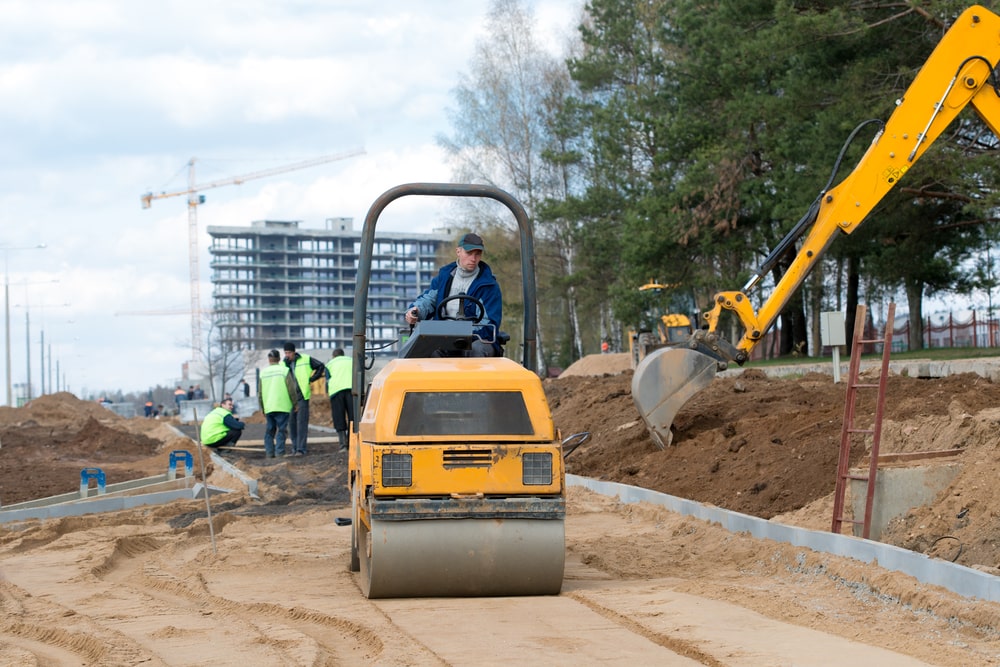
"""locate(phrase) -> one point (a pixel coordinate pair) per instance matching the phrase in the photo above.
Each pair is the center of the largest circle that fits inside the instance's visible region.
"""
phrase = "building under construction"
(274, 282)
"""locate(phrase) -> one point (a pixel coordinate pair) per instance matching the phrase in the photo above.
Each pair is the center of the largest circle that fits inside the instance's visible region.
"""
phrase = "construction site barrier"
(88, 474)
(188, 463)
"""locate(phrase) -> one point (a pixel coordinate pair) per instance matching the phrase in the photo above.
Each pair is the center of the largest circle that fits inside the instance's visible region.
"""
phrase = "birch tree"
(501, 128)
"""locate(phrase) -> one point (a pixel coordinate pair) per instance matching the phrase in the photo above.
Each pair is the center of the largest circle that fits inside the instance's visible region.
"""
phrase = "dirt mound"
(762, 446)
(105, 444)
(769, 446)
(599, 364)
(45, 444)
(61, 409)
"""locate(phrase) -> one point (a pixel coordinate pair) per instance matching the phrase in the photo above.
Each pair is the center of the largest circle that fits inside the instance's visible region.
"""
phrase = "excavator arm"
(956, 74)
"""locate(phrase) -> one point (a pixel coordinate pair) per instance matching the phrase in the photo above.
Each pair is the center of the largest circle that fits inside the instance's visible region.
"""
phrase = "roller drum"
(462, 557)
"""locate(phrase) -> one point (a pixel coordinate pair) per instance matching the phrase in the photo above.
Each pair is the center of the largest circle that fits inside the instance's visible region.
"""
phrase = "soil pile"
(269, 583)
(45, 444)
(769, 447)
(762, 446)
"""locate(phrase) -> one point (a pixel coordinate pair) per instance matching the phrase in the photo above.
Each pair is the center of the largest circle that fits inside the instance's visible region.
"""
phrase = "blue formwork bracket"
(188, 463)
(88, 474)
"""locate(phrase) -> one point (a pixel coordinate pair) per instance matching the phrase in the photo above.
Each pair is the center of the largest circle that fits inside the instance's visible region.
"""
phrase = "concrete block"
(126, 410)
(188, 408)
(898, 489)
(246, 405)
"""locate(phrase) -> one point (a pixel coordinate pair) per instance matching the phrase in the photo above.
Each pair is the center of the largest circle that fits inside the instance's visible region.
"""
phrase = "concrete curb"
(987, 367)
(106, 504)
(230, 469)
(959, 579)
(250, 482)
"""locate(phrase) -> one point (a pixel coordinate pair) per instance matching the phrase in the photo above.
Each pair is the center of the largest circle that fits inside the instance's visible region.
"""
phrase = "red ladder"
(843, 472)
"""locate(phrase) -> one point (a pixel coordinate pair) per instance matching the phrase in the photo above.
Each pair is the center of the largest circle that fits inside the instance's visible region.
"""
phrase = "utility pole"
(6, 307)
(27, 333)
(27, 349)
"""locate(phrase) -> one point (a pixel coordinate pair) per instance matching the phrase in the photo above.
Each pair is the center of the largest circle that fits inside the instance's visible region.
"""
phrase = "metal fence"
(975, 330)
(971, 329)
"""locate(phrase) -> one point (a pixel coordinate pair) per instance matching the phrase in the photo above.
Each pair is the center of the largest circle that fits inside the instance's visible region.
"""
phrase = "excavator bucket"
(664, 381)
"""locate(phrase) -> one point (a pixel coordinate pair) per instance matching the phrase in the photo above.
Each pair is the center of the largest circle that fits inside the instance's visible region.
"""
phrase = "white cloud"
(103, 100)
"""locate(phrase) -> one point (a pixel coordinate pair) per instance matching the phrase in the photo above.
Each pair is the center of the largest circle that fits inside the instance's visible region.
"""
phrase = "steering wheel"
(442, 313)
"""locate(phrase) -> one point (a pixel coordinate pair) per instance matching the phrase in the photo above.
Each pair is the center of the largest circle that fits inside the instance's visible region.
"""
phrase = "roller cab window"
(464, 413)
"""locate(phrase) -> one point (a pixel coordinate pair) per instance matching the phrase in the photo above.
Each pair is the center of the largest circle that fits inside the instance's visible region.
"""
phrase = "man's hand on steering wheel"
(442, 313)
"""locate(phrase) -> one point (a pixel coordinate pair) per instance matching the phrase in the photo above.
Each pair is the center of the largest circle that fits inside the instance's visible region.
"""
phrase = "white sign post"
(832, 333)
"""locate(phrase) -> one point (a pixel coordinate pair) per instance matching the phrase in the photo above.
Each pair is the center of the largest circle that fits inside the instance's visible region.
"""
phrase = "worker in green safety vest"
(221, 428)
(306, 370)
(276, 392)
(341, 401)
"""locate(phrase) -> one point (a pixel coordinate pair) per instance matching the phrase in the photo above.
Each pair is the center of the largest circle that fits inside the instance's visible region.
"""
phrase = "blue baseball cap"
(471, 242)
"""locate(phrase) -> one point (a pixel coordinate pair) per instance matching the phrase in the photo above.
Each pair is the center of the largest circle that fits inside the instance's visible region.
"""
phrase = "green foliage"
(688, 138)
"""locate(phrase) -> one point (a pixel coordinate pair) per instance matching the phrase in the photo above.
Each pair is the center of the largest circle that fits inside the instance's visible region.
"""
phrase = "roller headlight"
(397, 470)
(536, 468)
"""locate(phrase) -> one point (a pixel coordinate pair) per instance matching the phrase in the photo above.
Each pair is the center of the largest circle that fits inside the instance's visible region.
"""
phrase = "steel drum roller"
(462, 557)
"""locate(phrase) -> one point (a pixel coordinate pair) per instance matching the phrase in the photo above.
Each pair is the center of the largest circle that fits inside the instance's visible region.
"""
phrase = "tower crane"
(192, 191)
(181, 310)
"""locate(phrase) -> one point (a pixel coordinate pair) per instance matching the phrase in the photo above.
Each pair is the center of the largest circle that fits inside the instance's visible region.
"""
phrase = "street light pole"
(46, 372)
(41, 367)
(6, 319)
(27, 349)
(6, 322)
(27, 333)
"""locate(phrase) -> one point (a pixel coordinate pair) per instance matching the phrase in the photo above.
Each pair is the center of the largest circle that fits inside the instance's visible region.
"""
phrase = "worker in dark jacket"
(221, 428)
(306, 370)
(468, 274)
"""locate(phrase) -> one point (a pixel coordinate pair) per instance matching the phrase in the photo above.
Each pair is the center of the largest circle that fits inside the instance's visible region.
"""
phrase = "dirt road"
(643, 586)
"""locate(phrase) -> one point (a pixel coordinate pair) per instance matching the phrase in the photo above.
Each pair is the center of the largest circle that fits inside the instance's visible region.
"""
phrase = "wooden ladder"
(848, 430)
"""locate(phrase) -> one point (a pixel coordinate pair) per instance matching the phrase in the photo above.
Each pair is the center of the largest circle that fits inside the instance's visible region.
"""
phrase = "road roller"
(455, 466)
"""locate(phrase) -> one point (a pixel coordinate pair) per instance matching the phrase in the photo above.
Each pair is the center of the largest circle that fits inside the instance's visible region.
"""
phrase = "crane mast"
(194, 199)
(193, 268)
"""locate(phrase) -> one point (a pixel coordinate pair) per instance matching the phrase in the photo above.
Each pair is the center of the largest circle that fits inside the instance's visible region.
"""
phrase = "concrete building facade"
(274, 282)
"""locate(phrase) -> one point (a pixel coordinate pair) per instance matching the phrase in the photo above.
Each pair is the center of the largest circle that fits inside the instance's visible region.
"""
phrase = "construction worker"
(276, 393)
(221, 428)
(338, 385)
(306, 370)
(467, 275)
(179, 395)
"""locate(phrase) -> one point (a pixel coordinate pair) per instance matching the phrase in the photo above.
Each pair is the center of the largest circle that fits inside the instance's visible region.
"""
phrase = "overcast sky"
(104, 100)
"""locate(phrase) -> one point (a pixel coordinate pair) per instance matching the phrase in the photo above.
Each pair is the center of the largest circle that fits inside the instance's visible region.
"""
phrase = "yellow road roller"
(456, 468)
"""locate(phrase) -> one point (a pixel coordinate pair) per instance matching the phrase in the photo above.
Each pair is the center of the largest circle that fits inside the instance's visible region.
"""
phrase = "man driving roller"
(470, 275)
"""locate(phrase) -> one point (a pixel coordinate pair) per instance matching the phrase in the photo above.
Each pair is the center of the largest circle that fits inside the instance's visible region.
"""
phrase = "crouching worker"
(221, 428)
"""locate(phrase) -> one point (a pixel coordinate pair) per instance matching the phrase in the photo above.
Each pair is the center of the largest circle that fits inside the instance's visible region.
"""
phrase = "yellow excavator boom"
(955, 75)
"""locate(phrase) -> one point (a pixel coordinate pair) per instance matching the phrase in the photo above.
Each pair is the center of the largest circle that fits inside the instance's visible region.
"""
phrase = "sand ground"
(266, 580)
